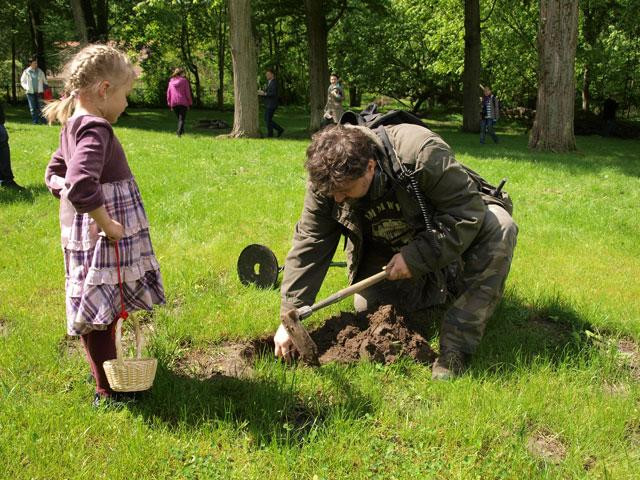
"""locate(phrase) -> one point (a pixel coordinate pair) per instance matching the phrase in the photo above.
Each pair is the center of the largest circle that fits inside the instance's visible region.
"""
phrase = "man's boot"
(449, 365)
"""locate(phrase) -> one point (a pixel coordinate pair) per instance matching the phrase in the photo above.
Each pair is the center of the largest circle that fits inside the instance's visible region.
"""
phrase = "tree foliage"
(411, 50)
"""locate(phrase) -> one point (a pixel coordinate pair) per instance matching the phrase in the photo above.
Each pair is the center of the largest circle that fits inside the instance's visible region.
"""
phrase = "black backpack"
(371, 118)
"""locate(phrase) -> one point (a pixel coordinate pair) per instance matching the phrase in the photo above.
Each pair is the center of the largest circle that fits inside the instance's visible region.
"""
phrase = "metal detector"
(258, 265)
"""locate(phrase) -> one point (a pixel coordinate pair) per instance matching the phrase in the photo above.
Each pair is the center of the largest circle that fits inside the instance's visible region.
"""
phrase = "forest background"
(412, 51)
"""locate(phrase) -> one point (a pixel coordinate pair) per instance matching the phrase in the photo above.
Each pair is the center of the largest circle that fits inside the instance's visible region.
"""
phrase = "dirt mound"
(547, 446)
(229, 359)
(4, 327)
(382, 336)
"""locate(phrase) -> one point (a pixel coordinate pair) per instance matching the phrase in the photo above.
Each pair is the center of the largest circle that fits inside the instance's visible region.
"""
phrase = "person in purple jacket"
(100, 206)
(179, 97)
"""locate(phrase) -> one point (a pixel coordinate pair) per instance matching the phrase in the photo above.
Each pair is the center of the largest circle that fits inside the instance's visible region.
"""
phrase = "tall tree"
(243, 55)
(221, 31)
(37, 35)
(557, 39)
(471, 75)
(595, 14)
(185, 48)
(318, 60)
(80, 21)
(318, 27)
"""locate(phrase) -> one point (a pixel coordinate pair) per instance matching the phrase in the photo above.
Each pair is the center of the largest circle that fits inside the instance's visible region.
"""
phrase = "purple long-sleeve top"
(88, 156)
(179, 92)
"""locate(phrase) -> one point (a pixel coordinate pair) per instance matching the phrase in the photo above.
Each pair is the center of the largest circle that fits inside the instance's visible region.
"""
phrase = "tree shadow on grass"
(269, 405)
(593, 154)
(28, 195)
(522, 333)
(164, 121)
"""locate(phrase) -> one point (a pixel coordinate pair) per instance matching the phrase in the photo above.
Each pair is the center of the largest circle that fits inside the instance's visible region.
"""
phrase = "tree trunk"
(80, 22)
(594, 15)
(185, 47)
(557, 39)
(90, 21)
(318, 60)
(586, 94)
(102, 20)
(471, 75)
(222, 30)
(37, 37)
(418, 103)
(354, 96)
(245, 70)
(14, 94)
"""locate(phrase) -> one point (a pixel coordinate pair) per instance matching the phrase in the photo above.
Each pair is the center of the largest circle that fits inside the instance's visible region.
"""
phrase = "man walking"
(270, 94)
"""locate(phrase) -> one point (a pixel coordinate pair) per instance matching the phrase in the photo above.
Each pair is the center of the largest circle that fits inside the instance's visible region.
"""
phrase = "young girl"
(99, 205)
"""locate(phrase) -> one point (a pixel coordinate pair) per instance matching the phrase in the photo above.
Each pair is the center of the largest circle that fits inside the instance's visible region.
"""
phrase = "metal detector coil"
(258, 265)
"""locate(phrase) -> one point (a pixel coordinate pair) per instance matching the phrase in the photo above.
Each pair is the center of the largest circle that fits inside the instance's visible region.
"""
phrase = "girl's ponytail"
(59, 110)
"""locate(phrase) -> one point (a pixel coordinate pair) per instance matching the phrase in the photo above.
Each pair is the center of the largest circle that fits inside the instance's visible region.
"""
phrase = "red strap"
(123, 312)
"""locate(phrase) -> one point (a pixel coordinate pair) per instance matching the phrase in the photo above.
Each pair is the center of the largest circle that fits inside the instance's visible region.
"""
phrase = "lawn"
(554, 391)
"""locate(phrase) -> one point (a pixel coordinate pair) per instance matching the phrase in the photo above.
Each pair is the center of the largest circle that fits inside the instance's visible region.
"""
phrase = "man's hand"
(397, 268)
(284, 345)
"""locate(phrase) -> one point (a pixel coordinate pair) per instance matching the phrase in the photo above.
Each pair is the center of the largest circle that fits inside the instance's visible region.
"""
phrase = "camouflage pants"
(486, 265)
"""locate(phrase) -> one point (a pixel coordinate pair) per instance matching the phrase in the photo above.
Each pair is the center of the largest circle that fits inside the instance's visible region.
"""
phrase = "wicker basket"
(131, 374)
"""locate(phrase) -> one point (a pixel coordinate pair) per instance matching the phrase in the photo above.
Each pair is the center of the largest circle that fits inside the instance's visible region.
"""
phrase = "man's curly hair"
(338, 155)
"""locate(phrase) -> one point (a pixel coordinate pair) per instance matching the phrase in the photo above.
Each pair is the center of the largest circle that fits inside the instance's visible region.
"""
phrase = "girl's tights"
(100, 345)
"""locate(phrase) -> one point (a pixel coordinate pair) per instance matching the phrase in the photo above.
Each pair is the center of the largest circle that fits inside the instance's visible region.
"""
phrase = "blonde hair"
(90, 66)
(178, 72)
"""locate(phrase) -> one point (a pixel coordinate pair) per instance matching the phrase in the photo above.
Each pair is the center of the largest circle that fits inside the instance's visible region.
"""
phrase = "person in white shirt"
(33, 80)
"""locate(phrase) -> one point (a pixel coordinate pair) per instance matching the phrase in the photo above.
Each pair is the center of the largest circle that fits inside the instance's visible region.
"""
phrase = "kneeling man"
(402, 201)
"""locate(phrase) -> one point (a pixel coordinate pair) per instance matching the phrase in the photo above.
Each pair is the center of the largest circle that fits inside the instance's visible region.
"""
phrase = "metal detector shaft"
(306, 311)
(332, 264)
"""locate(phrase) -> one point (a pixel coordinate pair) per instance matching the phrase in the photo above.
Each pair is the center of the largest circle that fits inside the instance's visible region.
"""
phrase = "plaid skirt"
(92, 291)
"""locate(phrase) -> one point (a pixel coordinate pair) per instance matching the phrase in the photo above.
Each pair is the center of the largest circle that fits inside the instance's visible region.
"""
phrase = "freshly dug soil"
(382, 336)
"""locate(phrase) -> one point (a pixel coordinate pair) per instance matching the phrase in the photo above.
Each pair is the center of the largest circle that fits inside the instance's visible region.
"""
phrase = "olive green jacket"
(459, 213)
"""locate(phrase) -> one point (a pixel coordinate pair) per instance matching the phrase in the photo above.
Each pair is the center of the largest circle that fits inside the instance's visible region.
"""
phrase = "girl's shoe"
(116, 399)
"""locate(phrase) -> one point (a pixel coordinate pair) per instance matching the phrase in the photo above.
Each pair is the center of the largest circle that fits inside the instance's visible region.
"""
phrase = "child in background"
(179, 97)
(6, 175)
(490, 114)
(99, 205)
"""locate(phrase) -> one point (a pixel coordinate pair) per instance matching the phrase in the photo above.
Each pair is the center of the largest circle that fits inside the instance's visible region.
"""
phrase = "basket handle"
(139, 339)
(123, 316)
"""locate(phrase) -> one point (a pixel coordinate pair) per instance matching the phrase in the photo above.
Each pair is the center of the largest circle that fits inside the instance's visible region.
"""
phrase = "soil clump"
(382, 336)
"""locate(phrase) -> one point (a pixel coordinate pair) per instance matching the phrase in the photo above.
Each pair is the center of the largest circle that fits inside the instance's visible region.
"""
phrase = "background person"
(270, 94)
(335, 95)
(90, 175)
(179, 97)
(490, 114)
(33, 81)
(6, 174)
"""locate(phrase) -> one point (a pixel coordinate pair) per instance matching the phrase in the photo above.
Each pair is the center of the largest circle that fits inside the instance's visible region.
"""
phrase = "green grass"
(576, 268)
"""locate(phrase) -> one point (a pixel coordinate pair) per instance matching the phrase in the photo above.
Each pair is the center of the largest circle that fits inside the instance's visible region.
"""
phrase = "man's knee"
(500, 227)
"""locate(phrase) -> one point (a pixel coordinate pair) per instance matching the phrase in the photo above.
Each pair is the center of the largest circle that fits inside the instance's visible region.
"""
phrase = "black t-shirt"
(385, 228)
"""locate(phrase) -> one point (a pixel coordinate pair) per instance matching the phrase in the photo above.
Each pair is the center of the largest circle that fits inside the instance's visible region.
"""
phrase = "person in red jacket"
(179, 97)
